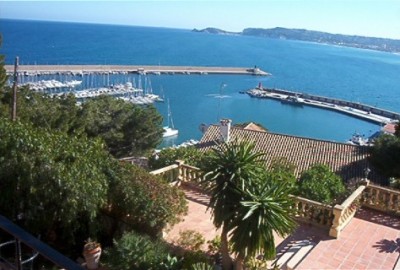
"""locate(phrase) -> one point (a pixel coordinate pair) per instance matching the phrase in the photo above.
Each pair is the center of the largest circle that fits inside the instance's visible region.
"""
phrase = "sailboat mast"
(168, 113)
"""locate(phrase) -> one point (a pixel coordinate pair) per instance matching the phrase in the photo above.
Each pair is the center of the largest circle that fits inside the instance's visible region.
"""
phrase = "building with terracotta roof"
(348, 161)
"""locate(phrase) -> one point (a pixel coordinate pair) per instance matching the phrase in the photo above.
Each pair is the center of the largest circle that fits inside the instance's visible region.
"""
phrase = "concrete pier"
(358, 110)
(115, 69)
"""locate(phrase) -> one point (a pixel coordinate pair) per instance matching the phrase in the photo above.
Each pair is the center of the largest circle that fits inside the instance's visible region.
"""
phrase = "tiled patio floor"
(370, 241)
(197, 219)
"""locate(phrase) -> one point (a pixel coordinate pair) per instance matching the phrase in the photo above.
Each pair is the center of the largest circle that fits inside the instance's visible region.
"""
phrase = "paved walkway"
(197, 219)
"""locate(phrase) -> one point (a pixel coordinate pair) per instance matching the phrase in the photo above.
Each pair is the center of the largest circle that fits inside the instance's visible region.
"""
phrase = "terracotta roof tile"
(349, 161)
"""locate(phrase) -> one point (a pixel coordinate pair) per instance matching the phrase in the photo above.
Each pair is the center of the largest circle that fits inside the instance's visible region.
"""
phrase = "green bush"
(144, 201)
(134, 251)
(191, 155)
(190, 239)
(52, 184)
(320, 184)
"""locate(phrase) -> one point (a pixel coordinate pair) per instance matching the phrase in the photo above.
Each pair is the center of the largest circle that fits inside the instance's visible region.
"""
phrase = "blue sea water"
(364, 76)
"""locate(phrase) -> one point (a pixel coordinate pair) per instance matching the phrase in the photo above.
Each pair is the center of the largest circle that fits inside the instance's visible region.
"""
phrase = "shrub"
(190, 239)
(134, 251)
(191, 155)
(144, 201)
(320, 184)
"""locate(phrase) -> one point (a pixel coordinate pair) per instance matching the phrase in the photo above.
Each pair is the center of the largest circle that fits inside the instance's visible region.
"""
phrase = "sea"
(358, 75)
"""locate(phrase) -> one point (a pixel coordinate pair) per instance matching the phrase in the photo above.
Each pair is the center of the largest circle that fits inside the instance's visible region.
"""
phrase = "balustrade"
(383, 199)
(312, 212)
(344, 212)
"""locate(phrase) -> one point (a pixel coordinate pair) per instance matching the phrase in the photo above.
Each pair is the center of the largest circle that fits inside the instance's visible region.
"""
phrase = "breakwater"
(355, 109)
(135, 69)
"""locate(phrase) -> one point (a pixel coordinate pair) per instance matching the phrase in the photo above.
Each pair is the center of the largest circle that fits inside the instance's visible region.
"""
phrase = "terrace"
(363, 232)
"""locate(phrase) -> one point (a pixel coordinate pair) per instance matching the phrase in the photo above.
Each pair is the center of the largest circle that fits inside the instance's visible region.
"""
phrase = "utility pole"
(15, 84)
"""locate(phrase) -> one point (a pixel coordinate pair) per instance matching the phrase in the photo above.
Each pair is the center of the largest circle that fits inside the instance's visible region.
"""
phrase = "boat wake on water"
(218, 96)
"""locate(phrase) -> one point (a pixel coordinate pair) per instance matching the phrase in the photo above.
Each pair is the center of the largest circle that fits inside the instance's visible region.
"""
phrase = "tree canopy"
(48, 179)
(127, 129)
(59, 186)
(385, 155)
(3, 75)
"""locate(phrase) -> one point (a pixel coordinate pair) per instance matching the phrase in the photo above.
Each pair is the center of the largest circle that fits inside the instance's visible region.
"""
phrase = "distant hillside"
(372, 43)
(211, 30)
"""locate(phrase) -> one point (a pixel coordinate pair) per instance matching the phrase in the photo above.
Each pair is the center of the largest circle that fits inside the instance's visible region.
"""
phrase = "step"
(299, 256)
(283, 260)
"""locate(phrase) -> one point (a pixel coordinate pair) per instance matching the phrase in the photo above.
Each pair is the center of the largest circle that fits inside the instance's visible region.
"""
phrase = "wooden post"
(15, 84)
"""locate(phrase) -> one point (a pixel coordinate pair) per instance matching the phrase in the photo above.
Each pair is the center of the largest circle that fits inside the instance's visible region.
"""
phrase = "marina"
(358, 110)
(346, 74)
(32, 70)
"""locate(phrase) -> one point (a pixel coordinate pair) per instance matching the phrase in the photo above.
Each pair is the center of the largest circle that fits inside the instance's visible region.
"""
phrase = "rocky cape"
(371, 43)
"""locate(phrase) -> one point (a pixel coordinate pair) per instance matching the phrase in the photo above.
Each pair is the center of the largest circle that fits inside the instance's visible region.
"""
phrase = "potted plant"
(92, 252)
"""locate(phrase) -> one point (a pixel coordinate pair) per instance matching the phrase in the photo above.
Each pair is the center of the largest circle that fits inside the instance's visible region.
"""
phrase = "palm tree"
(265, 208)
(243, 202)
(227, 169)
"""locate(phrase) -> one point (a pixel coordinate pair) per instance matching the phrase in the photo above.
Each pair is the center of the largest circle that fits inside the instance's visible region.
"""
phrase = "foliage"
(144, 201)
(394, 182)
(265, 208)
(49, 180)
(134, 251)
(282, 170)
(385, 155)
(246, 200)
(320, 184)
(3, 74)
(214, 245)
(191, 258)
(191, 240)
(202, 266)
(254, 263)
(168, 156)
(397, 130)
(59, 186)
(55, 113)
(126, 128)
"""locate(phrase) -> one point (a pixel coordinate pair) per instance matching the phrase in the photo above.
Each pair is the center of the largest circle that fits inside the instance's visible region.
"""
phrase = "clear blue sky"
(379, 18)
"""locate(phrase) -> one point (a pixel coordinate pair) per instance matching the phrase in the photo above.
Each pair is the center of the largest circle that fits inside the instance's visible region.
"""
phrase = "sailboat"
(170, 130)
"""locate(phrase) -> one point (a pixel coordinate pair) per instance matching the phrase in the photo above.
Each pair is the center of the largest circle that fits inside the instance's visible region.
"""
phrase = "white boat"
(170, 130)
(149, 92)
(358, 139)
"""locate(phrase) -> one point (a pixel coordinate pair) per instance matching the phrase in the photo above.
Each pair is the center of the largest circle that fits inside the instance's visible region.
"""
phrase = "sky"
(376, 18)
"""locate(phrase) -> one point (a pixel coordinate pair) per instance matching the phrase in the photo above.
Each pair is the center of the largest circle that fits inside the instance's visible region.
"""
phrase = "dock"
(135, 69)
(358, 110)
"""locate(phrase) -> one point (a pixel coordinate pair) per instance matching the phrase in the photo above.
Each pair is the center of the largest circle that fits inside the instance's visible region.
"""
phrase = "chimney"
(225, 129)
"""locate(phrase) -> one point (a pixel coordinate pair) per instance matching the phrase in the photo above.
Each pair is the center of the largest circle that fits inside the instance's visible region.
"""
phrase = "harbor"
(358, 110)
(80, 70)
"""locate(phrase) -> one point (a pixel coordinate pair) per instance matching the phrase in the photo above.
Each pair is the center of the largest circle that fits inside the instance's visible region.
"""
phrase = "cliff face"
(380, 44)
